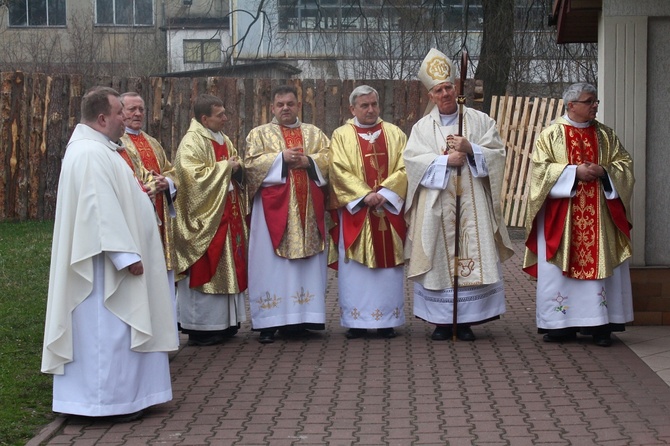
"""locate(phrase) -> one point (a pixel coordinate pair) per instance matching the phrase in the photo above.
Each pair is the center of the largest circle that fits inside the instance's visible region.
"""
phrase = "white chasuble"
(431, 216)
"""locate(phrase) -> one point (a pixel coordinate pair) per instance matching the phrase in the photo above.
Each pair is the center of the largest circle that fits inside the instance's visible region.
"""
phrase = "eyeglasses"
(589, 102)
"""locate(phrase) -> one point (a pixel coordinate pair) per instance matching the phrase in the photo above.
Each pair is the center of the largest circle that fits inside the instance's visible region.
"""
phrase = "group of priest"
(369, 202)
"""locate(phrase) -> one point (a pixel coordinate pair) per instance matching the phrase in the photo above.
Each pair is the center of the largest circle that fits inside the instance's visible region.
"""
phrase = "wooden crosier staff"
(457, 226)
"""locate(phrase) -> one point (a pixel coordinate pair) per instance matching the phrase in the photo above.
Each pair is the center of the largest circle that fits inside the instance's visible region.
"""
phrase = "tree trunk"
(497, 43)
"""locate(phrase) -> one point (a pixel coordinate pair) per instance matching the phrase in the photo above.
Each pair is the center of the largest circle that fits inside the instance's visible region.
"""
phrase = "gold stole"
(298, 177)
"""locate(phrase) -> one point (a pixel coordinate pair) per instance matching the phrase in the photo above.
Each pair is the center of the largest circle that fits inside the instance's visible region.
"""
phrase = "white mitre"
(435, 69)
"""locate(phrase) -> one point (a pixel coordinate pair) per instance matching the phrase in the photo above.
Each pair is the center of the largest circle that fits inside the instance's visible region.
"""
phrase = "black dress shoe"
(125, 418)
(201, 340)
(230, 331)
(441, 334)
(561, 338)
(387, 333)
(267, 337)
(603, 340)
(464, 333)
(293, 331)
(355, 333)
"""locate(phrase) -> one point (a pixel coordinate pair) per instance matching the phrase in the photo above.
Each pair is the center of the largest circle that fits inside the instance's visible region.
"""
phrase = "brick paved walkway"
(507, 388)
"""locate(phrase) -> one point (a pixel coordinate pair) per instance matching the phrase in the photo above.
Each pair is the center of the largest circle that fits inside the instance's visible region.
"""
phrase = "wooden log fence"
(38, 114)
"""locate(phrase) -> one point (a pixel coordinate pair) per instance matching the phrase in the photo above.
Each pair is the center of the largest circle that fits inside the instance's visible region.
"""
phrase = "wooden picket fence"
(520, 120)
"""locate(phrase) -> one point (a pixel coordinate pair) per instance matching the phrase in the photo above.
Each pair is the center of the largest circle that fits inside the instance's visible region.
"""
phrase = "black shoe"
(230, 332)
(355, 333)
(201, 340)
(267, 337)
(387, 333)
(562, 338)
(293, 331)
(125, 418)
(464, 333)
(441, 334)
(603, 340)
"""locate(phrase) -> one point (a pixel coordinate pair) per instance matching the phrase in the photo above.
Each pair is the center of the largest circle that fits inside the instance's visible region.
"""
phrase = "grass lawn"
(25, 393)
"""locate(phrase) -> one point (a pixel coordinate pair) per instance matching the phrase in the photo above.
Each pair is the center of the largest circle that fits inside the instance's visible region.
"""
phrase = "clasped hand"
(588, 172)
(234, 162)
(374, 200)
(458, 148)
(295, 159)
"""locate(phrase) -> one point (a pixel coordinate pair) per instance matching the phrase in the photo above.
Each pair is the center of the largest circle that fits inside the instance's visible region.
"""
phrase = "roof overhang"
(576, 21)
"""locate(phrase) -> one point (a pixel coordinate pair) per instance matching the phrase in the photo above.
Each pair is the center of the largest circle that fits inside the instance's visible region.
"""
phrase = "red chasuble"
(374, 156)
(275, 198)
(204, 268)
(150, 162)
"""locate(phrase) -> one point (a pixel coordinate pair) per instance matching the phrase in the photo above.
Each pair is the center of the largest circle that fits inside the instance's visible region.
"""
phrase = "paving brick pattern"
(506, 388)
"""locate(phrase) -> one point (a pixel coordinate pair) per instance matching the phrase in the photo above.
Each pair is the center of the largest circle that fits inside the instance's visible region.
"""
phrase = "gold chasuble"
(210, 228)
(151, 156)
(365, 160)
(295, 210)
(594, 235)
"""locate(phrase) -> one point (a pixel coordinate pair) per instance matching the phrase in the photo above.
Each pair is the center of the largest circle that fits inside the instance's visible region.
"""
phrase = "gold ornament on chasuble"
(301, 238)
(348, 178)
(225, 278)
(588, 228)
(387, 251)
(363, 161)
(265, 142)
(200, 203)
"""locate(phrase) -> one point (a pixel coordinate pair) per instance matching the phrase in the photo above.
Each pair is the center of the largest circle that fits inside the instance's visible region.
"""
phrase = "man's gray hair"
(361, 90)
(130, 94)
(574, 91)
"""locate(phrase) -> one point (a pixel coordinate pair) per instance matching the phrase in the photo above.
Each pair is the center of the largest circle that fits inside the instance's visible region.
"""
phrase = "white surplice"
(370, 297)
(106, 377)
(564, 302)
(282, 291)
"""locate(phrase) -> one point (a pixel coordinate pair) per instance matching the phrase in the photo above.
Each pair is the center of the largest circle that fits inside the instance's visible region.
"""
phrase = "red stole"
(126, 158)
(203, 269)
(275, 198)
(150, 162)
(375, 168)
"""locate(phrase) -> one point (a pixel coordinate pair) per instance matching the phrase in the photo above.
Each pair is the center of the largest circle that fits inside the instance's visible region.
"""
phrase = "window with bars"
(124, 12)
(202, 51)
(36, 12)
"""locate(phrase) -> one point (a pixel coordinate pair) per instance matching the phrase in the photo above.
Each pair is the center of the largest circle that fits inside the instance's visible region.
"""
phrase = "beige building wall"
(115, 50)
(634, 37)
